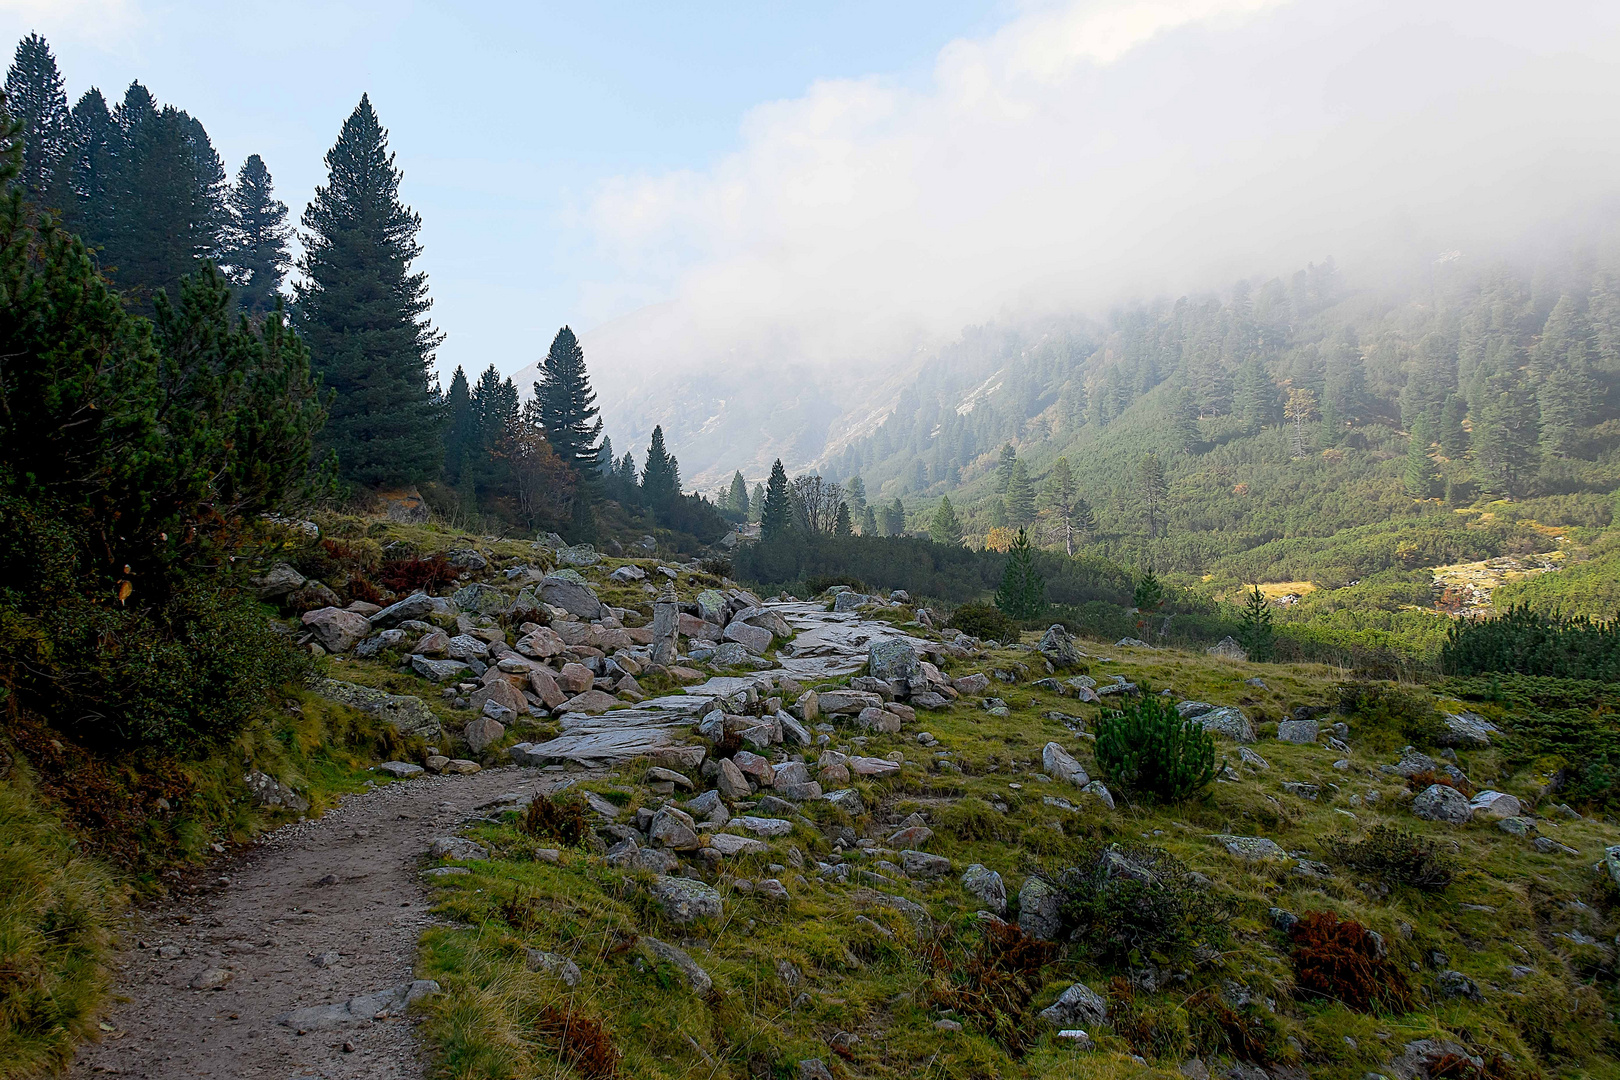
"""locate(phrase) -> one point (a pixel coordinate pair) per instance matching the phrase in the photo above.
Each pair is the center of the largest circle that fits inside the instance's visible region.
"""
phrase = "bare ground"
(347, 883)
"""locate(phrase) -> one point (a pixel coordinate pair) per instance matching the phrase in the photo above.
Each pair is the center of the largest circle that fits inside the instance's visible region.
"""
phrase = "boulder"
(1229, 722)
(479, 599)
(987, 887)
(835, 702)
(591, 701)
(674, 829)
(542, 643)
(578, 555)
(684, 900)
(408, 715)
(544, 686)
(400, 770)
(311, 595)
(457, 849)
(755, 639)
(846, 799)
(277, 582)
(438, 670)
(1039, 914)
(1079, 1004)
(1060, 765)
(695, 976)
(466, 647)
(336, 630)
(1466, 730)
(1059, 648)
(503, 694)
(575, 678)
(1250, 848)
(1301, 732)
(920, 864)
(976, 683)
(846, 602)
(1100, 791)
(627, 573)
(1438, 802)
(572, 597)
(432, 643)
(1228, 649)
(1494, 804)
(893, 660)
(731, 782)
(377, 643)
(879, 720)
(483, 732)
(267, 791)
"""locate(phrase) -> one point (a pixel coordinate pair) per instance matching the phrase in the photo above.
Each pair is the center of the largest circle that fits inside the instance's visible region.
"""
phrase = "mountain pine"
(944, 528)
(1022, 595)
(364, 313)
(256, 238)
(776, 513)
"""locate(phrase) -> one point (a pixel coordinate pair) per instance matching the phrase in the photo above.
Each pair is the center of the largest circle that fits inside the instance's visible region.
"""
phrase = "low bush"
(1128, 901)
(1156, 1028)
(1150, 750)
(1385, 707)
(1531, 643)
(560, 819)
(413, 574)
(1339, 960)
(993, 987)
(984, 621)
(971, 819)
(583, 1043)
(1397, 857)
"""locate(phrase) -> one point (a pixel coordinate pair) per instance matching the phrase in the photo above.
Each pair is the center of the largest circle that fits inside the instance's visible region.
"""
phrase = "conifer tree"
(1254, 400)
(944, 528)
(1022, 595)
(462, 431)
(1184, 421)
(1453, 436)
(567, 405)
(36, 98)
(869, 524)
(625, 476)
(776, 513)
(90, 167)
(894, 519)
(1085, 518)
(997, 512)
(1254, 627)
(364, 313)
(842, 526)
(661, 475)
(1004, 467)
(1062, 497)
(1020, 495)
(605, 456)
(756, 503)
(1421, 477)
(1152, 489)
(1504, 442)
(1560, 366)
(1300, 410)
(256, 235)
(856, 490)
(737, 497)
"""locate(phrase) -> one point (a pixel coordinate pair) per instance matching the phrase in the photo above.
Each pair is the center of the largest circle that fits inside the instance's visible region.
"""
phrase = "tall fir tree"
(1255, 632)
(1020, 495)
(869, 523)
(1421, 478)
(856, 490)
(1062, 496)
(737, 496)
(365, 313)
(1153, 491)
(91, 167)
(1453, 436)
(756, 504)
(604, 455)
(256, 235)
(1560, 366)
(461, 429)
(944, 528)
(776, 513)
(1184, 421)
(894, 519)
(1004, 467)
(1254, 400)
(36, 98)
(1022, 595)
(1504, 442)
(661, 475)
(842, 525)
(567, 406)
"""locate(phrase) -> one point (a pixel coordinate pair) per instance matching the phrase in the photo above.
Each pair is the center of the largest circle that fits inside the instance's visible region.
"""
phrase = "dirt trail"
(346, 884)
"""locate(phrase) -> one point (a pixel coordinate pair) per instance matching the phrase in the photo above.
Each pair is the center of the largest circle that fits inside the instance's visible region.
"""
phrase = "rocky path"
(317, 913)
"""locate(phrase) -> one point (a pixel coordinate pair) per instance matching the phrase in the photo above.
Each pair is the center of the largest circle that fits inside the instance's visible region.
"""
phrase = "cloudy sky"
(837, 181)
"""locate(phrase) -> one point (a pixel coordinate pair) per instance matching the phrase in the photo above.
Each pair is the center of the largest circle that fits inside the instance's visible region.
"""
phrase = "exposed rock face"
(1437, 802)
(480, 599)
(1059, 648)
(410, 715)
(986, 885)
(1038, 909)
(336, 630)
(1467, 730)
(1060, 765)
(1077, 1005)
(1228, 649)
(572, 597)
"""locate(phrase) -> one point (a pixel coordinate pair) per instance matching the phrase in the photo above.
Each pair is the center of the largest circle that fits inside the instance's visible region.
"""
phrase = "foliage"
(1405, 711)
(984, 621)
(1526, 642)
(1150, 750)
(1134, 902)
(412, 573)
(776, 513)
(1396, 856)
(1341, 961)
(1255, 632)
(561, 819)
(993, 987)
(944, 528)
(256, 235)
(583, 1042)
(1149, 591)
(1022, 595)
(1564, 725)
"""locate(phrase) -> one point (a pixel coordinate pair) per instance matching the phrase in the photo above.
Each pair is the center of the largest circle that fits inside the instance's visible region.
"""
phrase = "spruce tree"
(1300, 410)
(1020, 495)
(256, 237)
(869, 524)
(842, 526)
(1184, 421)
(1421, 477)
(776, 514)
(1061, 497)
(36, 98)
(567, 405)
(944, 528)
(1153, 490)
(1022, 595)
(1560, 366)
(1148, 592)
(461, 433)
(894, 519)
(1085, 518)
(660, 476)
(364, 313)
(1504, 442)
(737, 497)
(90, 166)
(1453, 436)
(1254, 626)
(756, 503)
(1004, 467)
(856, 490)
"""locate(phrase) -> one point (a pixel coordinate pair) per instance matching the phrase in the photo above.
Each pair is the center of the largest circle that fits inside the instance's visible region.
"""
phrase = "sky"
(838, 183)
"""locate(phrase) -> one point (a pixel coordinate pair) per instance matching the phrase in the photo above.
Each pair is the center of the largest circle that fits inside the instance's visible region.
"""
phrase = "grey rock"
(756, 639)
(1494, 804)
(1522, 827)
(578, 555)
(438, 670)
(1061, 765)
(731, 782)
(483, 733)
(1230, 722)
(212, 979)
(1058, 647)
(685, 900)
(696, 977)
(1250, 848)
(814, 1069)
(1039, 913)
(377, 643)
(465, 647)
(1420, 1055)
(627, 573)
(1455, 984)
(415, 607)
(920, 864)
(1412, 763)
(574, 598)
(986, 885)
(1228, 649)
(1079, 1004)
(1190, 709)
(847, 800)
(1301, 732)
(400, 770)
(457, 849)
(1250, 758)
(1466, 730)
(893, 660)
(480, 599)
(674, 829)
(1548, 846)
(335, 629)
(277, 582)
(1437, 802)
(266, 790)
(361, 1009)
(1100, 790)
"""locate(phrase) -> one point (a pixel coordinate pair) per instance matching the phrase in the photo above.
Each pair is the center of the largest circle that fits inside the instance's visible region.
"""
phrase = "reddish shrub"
(994, 985)
(1339, 960)
(583, 1043)
(407, 575)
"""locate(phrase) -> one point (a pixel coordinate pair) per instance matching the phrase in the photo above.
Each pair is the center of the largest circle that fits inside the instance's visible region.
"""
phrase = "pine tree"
(894, 519)
(1148, 592)
(737, 497)
(1421, 477)
(869, 525)
(91, 169)
(567, 404)
(605, 456)
(944, 528)
(1254, 400)
(462, 433)
(35, 96)
(842, 526)
(1561, 368)
(1504, 442)
(776, 513)
(1255, 633)
(1062, 496)
(364, 313)
(1453, 436)
(1152, 489)
(1020, 496)
(1184, 421)
(1022, 595)
(756, 504)
(256, 238)
(997, 512)
(1004, 467)
(1300, 410)
(1085, 518)
(661, 475)
(855, 488)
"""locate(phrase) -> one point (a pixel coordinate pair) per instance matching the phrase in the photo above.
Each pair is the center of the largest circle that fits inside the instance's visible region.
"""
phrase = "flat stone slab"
(762, 826)
(729, 845)
(603, 747)
(360, 1009)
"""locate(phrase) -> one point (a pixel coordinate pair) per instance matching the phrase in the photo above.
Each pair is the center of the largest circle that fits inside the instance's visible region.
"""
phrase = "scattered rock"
(1250, 848)
(1079, 1004)
(362, 1009)
(458, 849)
(1228, 721)
(696, 977)
(483, 732)
(1466, 730)
(400, 770)
(1437, 802)
(1039, 913)
(920, 864)
(336, 630)
(1061, 765)
(1058, 648)
(685, 900)
(986, 885)
(559, 967)
(1494, 804)
(1301, 732)
(1228, 649)
(267, 791)
(212, 979)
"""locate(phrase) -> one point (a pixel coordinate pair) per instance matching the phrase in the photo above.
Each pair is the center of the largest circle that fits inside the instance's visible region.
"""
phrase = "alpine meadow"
(1075, 539)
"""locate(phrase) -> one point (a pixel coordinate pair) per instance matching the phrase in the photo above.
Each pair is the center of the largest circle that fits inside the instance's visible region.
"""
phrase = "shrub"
(562, 820)
(984, 621)
(1382, 706)
(1396, 856)
(583, 1044)
(993, 987)
(412, 574)
(1149, 749)
(1156, 1029)
(1530, 643)
(1339, 960)
(1126, 899)
(1248, 1033)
